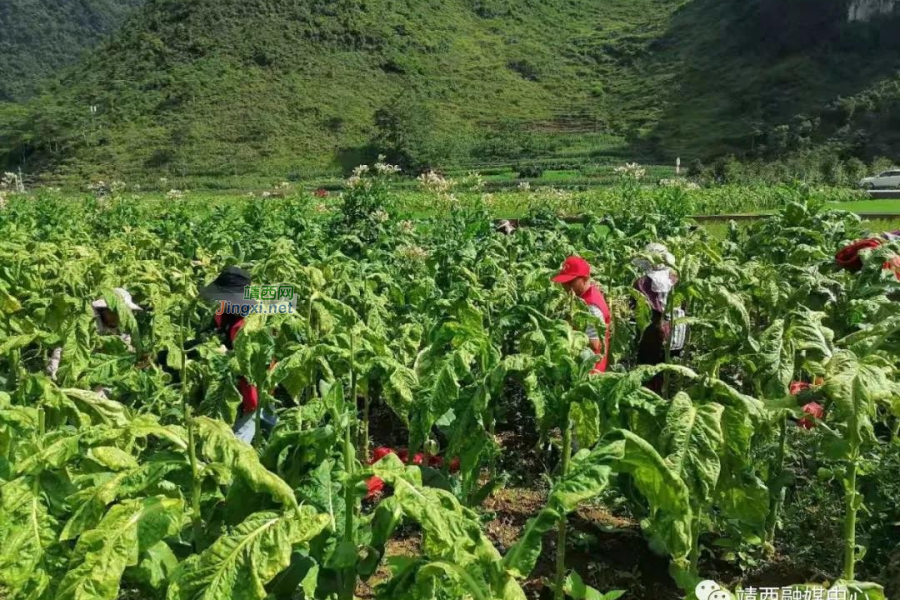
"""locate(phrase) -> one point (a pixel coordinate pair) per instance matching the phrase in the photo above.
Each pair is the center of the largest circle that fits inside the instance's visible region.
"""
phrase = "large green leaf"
(90, 503)
(98, 408)
(693, 440)
(854, 386)
(220, 445)
(452, 533)
(666, 492)
(102, 554)
(239, 564)
(775, 360)
(441, 395)
(30, 556)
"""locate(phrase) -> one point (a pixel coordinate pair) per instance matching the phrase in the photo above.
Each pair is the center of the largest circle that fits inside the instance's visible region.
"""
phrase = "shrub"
(530, 171)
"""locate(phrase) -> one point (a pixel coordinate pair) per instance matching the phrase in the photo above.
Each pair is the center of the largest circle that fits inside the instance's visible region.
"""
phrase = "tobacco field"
(120, 476)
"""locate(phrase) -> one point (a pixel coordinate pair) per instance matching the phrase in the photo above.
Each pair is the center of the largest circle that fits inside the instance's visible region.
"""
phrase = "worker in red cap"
(575, 276)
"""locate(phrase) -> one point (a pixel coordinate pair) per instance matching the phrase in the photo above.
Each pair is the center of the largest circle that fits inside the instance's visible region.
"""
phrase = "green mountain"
(281, 88)
(771, 77)
(38, 37)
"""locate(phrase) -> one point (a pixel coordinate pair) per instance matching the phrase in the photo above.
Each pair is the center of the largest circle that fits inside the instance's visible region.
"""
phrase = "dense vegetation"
(452, 337)
(40, 37)
(291, 90)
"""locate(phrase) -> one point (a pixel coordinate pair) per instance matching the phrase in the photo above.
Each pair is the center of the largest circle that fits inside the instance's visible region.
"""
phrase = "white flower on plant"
(413, 253)
(435, 182)
(473, 181)
(407, 226)
(555, 195)
(2, 201)
(266, 195)
(382, 167)
(355, 181)
(163, 181)
(524, 186)
(284, 185)
(9, 181)
(360, 170)
(679, 183)
(174, 195)
(117, 186)
(380, 216)
(631, 171)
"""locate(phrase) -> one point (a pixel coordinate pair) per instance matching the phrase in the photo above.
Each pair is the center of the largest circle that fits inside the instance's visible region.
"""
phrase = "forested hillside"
(289, 89)
(38, 37)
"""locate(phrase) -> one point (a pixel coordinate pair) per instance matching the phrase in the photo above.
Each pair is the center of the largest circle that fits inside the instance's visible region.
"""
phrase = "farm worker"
(656, 283)
(107, 322)
(229, 287)
(575, 276)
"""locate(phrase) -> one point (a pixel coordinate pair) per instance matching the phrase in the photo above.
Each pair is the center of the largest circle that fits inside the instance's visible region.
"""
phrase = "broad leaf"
(240, 564)
(102, 554)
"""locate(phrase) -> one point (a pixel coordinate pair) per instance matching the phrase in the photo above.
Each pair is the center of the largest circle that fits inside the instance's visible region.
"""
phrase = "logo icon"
(710, 590)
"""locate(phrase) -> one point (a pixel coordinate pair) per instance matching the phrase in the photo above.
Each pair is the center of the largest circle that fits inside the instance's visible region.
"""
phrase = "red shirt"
(249, 393)
(593, 297)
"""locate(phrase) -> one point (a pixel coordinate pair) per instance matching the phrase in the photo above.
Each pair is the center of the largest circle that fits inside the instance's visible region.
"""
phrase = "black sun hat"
(228, 287)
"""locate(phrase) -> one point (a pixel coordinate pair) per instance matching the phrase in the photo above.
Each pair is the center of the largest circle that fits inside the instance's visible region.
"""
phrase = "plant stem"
(850, 522)
(777, 491)
(192, 451)
(257, 418)
(489, 422)
(670, 312)
(561, 526)
(695, 540)
(349, 576)
(364, 428)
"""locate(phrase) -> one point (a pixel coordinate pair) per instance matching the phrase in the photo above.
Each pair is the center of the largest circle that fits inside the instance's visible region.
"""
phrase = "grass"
(719, 229)
(871, 206)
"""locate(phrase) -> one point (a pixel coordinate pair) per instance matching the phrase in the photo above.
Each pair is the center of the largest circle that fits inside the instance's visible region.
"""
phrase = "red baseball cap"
(573, 268)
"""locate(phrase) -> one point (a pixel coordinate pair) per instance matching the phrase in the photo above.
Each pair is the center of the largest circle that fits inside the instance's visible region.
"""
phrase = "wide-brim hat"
(228, 287)
(123, 296)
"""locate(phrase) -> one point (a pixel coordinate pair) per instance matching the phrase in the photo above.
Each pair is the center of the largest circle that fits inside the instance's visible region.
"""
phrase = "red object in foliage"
(321, 193)
(418, 458)
(799, 386)
(435, 462)
(380, 453)
(375, 485)
(814, 409)
(249, 396)
(893, 265)
(849, 258)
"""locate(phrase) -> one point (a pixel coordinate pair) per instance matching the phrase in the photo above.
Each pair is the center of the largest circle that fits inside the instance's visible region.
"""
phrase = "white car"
(887, 180)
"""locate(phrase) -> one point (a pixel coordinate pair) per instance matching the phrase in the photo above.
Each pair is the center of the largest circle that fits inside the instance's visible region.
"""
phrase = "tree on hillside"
(406, 135)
